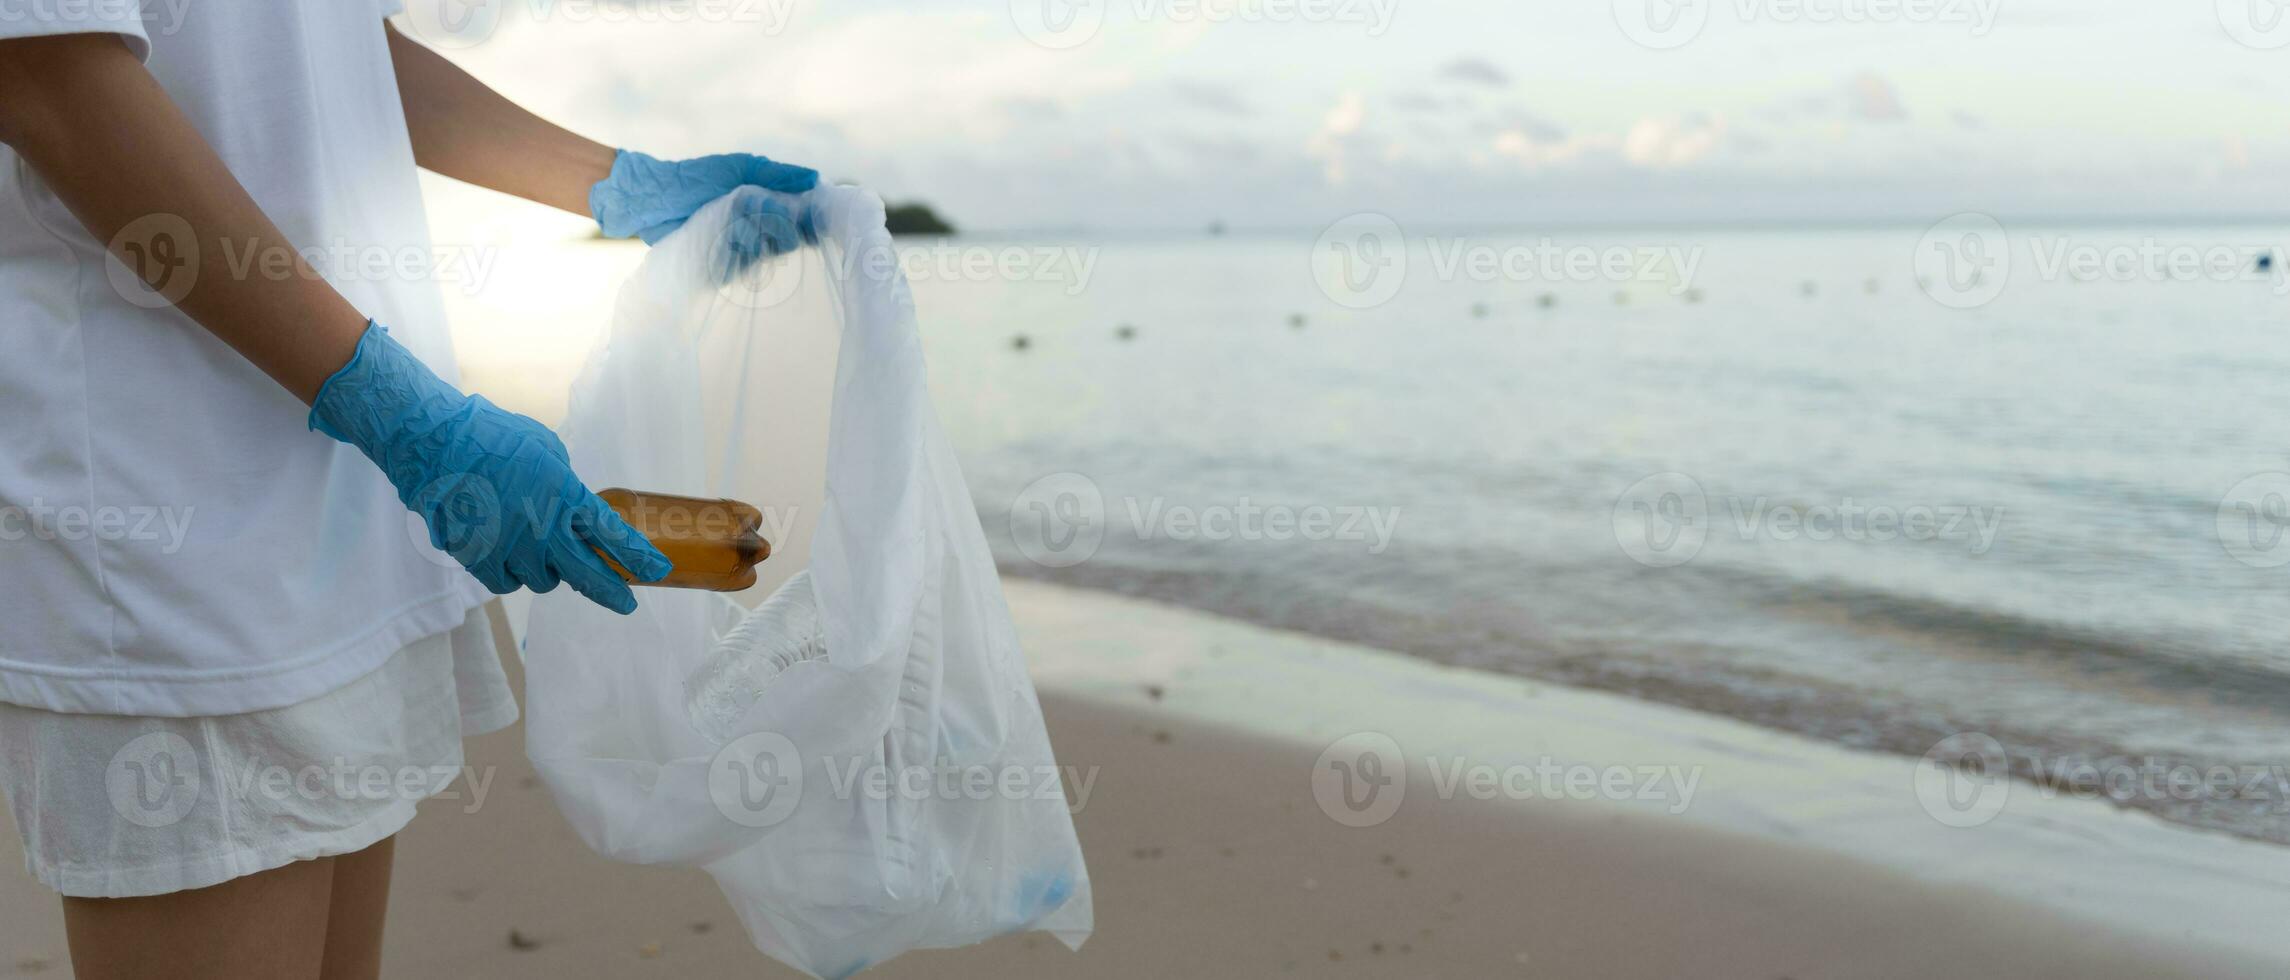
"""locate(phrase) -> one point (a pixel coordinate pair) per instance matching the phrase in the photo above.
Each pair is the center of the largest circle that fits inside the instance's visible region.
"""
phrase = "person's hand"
(647, 198)
(496, 488)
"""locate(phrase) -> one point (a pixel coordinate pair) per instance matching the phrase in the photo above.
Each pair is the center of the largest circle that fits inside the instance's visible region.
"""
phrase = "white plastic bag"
(896, 793)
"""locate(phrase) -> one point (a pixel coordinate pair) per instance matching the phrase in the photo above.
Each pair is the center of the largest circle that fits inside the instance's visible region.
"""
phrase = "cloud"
(1339, 141)
(1214, 98)
(1475, 71)
(1535, 127)
(1670, 142)
(1871, 97)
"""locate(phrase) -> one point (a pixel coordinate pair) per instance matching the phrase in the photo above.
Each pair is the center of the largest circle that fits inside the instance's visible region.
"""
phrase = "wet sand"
(1210, 856)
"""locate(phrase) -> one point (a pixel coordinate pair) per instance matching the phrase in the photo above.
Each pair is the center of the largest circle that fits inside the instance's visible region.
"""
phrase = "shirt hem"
(239, 692)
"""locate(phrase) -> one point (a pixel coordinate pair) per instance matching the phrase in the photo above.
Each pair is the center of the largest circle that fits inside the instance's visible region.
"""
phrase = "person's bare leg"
(354, 927)
(265, 926)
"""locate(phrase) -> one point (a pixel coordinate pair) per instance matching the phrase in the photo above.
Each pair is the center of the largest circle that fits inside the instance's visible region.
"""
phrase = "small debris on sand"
(522, 943)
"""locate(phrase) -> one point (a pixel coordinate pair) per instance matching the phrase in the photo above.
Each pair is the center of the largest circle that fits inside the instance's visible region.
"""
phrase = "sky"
(1112, 115)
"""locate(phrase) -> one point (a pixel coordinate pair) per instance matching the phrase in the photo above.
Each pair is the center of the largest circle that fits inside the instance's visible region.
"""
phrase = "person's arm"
(464, 130)
(114, 148)
(96, 126)
(469, 132)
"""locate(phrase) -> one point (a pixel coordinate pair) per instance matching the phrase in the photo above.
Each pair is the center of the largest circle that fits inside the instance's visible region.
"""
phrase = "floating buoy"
(1693, 296)
(1478, 311)
(1546, 300)
(1125, 332)
(1296, 320)
(1621, 298)
(1020, 342)
(1809, 288)
(1872, 286)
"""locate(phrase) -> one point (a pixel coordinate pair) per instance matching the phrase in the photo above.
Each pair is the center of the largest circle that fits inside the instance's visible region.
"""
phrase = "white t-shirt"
(173, 539)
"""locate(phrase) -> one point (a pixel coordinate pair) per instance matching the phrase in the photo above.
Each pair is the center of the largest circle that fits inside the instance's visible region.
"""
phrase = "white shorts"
(112, 806)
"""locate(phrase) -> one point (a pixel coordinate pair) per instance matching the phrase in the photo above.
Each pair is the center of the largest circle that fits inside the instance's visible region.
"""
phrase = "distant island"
(915, 218)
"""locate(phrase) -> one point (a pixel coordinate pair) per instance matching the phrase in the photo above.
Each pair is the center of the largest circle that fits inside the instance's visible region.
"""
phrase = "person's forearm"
(97, 127)
(466, 131)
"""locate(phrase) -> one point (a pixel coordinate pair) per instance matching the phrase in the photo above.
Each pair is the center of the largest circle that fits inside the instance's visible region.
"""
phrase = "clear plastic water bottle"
(780, 633)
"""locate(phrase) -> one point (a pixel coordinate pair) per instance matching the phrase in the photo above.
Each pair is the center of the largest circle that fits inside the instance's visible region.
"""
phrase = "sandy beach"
(1211, 855)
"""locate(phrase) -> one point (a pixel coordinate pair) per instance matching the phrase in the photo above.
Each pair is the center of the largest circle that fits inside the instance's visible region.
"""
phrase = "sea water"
(1792, 487)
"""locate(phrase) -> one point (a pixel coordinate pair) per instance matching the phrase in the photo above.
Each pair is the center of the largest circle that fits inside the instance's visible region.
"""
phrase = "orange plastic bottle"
(714, 544)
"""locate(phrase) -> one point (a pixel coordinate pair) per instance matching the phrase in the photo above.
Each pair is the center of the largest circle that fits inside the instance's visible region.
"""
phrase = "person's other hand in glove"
(466, 131)
(647, 198)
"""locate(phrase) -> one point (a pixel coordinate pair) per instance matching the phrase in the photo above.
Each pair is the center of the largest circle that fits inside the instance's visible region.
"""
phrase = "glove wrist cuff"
(368, 401)
(609, 200)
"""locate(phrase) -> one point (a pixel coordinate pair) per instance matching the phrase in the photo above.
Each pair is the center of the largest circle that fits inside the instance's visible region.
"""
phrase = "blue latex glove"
(647, 198)
(496, 488)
